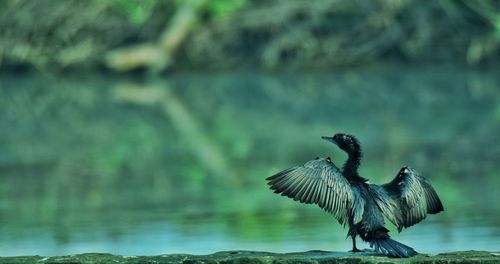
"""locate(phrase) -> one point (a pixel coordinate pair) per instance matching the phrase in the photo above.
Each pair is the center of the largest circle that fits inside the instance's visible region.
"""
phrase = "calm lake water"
(177, 164)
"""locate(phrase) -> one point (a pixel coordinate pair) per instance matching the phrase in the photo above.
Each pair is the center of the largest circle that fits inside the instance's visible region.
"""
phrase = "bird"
(352, 200)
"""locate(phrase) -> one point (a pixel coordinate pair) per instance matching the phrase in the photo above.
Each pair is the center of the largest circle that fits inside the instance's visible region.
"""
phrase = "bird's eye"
(317, 158)
(328, 159)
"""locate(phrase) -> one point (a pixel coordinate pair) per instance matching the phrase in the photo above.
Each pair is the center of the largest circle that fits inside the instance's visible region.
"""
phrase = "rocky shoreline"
(250, 257)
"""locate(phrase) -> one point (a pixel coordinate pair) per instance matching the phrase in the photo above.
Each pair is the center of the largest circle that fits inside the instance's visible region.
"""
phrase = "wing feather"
(318, 181)
(303, 192)
(359, 206)
(311, 191)
(414, 197)
(301, 184)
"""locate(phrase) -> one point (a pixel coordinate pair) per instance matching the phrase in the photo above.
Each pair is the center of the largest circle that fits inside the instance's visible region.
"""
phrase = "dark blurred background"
(144, 127)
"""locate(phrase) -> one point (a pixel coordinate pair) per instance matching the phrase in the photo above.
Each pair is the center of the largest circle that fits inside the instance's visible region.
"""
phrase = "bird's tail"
(392, 248)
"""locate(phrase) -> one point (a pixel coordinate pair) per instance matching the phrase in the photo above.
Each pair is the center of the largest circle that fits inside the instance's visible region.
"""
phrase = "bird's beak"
(330, 139)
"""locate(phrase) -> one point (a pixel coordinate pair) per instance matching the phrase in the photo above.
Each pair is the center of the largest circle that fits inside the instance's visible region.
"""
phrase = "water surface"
(135, 167)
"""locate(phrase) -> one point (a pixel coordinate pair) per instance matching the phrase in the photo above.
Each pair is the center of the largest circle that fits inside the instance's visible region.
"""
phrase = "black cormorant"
(404, 201)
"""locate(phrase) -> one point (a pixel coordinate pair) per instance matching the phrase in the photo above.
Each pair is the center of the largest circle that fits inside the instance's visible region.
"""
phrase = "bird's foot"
(354, 250)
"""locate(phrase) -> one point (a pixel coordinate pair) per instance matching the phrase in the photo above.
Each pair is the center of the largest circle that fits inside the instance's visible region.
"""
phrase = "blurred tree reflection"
(80, 151)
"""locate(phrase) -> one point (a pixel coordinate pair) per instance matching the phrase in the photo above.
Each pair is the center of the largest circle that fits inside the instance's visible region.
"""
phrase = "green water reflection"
(128, 166)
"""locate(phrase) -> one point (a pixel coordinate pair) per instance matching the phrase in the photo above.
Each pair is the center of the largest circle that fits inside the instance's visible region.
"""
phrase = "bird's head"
(345, 142)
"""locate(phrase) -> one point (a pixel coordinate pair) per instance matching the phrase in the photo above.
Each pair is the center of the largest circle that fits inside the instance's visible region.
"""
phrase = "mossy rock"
(251, 257)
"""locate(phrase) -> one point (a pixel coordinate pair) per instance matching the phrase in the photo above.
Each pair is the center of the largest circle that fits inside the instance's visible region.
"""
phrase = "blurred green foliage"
(137, 11)
(224, 8)
(272, 34)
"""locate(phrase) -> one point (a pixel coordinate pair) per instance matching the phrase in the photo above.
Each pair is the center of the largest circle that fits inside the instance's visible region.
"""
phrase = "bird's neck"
(350, 169)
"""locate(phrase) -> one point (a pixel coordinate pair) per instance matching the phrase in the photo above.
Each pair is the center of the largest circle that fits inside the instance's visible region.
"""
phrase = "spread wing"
(415, 197)
(320, 182)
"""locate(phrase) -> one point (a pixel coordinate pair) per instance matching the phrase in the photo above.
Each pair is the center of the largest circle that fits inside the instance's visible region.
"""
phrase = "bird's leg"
(354, 248)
